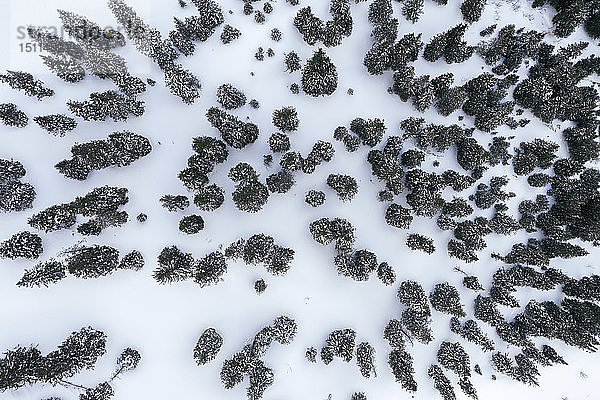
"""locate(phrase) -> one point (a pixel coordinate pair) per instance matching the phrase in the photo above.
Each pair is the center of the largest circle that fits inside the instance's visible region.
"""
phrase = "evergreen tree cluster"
(340, 343)
(92, 52)
(469, 330)
(249, 360)
(82, 262)
(345, 186)
(110, 104)
(355, 264)
(14, 194)
(331, 33)
(388, 53)
(450, 45)
(80, 351)
(149, 41)
(175, 266)
(208, 153)
(174, 203)
(101, 206)
(292, 161)
(569, 15)
(229, 34)
(119, 149)
(552, 90)
(510, 47)
(196, 28)
(261, 249)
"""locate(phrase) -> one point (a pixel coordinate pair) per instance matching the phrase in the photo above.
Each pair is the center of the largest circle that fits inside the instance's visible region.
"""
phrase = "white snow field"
(164, 322)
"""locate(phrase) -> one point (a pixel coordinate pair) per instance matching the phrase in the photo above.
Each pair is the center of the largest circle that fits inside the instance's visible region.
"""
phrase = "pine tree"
(286, 119)
(22, 245)
(230, 97)
(441, 382)
(56, 124)
(210, 269)
(401, 364)
(319, 75)
(412, 10)
(449, 45)
(386, 274)
(12, 116)
(43, 274)
(191, 224)
(174, 203)
(260, 286)
(357, 265)
(208, 346)
(398, 216)
(209, 197)
(445, 298)
(365, 359)
(173, 266)
(472, 9)
(453, 357)
(89, 33)
(419, 242)
(309, 26)
(471, 332)
(24, 81)
(280, 182)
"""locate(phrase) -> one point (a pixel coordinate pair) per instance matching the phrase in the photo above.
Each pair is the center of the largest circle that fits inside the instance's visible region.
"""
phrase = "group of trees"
(355, 264)
(262, 249)
(249, 360)
(120, 149)
(569, 15)
(82, 262)
(175, 265)
(101, 205)
(81, 350)
(196, 28)
(149, 42)
(331, 33)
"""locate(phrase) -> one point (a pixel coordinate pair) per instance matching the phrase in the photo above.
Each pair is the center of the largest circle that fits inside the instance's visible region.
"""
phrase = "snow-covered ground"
(164, 322)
